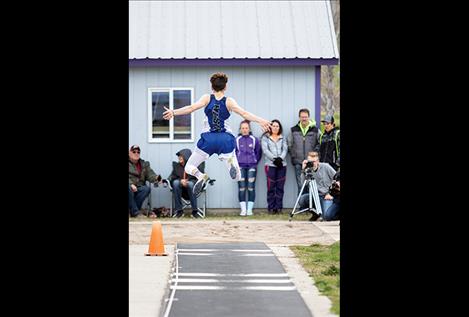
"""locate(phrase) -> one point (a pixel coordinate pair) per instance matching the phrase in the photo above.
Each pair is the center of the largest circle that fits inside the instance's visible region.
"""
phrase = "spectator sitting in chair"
(183, 184)
(139, 173)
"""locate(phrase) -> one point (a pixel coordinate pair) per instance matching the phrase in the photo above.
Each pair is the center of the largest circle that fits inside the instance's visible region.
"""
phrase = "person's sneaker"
(196, 215)
(243, 213)
(179, 214)
(200, 184)
(233, 170)
(249, 213)
(314, 217)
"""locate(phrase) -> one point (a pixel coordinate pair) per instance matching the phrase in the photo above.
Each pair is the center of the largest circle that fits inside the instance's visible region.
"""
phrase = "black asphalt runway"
(231, 279)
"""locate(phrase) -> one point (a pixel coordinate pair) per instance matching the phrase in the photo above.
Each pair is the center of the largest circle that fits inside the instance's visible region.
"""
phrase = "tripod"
(313, 194)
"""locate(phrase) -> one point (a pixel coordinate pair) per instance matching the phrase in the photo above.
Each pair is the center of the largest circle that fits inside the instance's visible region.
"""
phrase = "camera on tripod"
(313, 194)
(309, 170)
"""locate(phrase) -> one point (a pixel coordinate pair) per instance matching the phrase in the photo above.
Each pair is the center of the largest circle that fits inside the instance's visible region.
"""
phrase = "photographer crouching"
(333, 212)
(324, 174)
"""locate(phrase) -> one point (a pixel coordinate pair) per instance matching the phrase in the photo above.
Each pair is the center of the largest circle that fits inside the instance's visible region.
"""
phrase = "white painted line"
(196, 287)
(266, 274)
(195, 253)
(197, 250)
(253, 254)
(199, 274)
(246, 275)
(251, 250)
(248, 254)
(195, 280)
(207, 280)
(252, 288)
(267, 281)
(171, 298)
(221, 250)
(270, 288)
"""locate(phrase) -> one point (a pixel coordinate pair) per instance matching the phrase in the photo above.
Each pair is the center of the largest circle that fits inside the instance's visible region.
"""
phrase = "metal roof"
(231, 29)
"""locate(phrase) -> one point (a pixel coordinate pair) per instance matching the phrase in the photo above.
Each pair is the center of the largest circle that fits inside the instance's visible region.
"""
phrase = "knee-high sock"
(194, 161)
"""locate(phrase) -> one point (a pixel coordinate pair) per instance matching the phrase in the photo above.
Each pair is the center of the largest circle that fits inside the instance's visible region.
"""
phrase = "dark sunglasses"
(136, 151)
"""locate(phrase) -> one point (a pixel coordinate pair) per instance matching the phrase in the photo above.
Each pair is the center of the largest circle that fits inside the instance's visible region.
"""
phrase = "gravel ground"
(269, 232)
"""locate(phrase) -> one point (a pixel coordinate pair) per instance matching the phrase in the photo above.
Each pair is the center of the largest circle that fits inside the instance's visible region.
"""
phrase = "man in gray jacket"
(303, 138)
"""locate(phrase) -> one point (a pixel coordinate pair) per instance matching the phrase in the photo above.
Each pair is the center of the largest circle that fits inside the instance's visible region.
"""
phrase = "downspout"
(317, 95)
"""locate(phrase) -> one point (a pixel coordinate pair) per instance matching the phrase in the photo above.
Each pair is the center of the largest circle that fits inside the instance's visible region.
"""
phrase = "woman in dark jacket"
(248, 153)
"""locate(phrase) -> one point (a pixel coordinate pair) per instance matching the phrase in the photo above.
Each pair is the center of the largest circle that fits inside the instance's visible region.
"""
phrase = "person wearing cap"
(303, 138)
(329, 143)
(139, 173)
(183, 182)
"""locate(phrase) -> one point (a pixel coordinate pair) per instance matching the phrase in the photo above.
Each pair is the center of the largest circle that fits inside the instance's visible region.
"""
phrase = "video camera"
(309, 170)
(334, 189)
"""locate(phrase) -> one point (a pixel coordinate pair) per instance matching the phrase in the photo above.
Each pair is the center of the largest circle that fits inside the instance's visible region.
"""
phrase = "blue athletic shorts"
(216, 142)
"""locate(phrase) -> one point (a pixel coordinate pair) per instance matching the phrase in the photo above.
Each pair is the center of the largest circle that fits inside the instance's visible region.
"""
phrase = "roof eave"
(159, 62)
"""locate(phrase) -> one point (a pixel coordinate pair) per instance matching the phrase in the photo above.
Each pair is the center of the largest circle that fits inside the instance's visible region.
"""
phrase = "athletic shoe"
(233, 170)
(196, 215)
(179, 214)
(314, 217)
(200, 184)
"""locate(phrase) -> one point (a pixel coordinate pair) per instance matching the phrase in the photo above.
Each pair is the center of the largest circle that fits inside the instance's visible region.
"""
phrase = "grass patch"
(323, 265)
(257, 216)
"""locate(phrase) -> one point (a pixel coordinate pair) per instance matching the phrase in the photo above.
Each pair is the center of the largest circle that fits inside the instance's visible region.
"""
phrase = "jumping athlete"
(217, 136)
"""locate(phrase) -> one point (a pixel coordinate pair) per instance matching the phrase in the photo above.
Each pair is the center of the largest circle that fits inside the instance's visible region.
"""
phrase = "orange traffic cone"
(156, 246)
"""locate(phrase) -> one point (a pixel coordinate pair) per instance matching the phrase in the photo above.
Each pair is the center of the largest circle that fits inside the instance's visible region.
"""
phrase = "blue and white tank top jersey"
(217, 115)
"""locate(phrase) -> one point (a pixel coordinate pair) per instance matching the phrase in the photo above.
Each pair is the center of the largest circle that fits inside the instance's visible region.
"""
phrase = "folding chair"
(185, 198)
(149, 201)
(186, 203)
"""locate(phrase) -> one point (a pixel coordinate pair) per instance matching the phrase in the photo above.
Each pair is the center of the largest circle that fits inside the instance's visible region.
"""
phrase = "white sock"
(197, 157)
(243, 208)
(250, 205)
(230, 158)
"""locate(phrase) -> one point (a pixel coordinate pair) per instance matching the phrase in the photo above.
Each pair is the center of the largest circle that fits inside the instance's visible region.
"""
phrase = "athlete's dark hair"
(219, 81)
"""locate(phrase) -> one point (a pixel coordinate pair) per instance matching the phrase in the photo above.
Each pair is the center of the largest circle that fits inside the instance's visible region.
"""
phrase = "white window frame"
(171, 139)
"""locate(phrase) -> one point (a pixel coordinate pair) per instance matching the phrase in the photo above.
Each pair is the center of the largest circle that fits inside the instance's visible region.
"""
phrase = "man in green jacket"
(139, 172)
(303, 138)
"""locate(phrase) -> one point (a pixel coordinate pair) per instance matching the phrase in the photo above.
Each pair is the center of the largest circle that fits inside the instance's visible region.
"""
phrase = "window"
(178, 129)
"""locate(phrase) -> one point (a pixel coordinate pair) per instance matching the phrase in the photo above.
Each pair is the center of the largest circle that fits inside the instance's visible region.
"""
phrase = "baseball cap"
(134, 147)
(328, 118)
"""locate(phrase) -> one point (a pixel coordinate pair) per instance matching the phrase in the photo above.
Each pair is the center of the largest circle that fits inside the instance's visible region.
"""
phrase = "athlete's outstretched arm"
(233, 105)
(202, 102)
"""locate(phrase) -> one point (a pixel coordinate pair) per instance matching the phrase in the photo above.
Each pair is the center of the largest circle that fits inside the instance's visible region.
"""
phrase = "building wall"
(270, 92)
